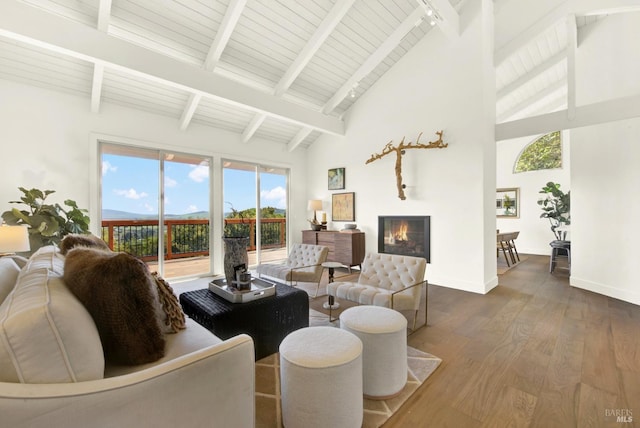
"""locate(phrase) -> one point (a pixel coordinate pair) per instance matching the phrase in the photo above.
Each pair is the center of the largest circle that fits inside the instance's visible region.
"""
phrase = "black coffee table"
(268, 320)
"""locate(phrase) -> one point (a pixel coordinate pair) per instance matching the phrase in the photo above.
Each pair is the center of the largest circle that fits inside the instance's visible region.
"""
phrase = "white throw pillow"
(46, 334)
(9, 271)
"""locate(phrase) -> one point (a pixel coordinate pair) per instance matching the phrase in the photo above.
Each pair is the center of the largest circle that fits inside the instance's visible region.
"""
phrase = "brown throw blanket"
(121, 295)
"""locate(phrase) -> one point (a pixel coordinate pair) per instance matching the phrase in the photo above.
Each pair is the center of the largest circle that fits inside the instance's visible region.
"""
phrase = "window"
(543, 153)
(255, 199)
(155, 205)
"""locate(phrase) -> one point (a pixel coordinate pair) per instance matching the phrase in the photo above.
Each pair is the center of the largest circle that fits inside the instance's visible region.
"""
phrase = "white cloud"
(131, 193)
(107, 167)
(149, 208)
(192, 209)
(277, 195)
(169, 182)
(199, 173)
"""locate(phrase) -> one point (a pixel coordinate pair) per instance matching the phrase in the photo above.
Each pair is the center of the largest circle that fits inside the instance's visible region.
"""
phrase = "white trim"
(605, 290)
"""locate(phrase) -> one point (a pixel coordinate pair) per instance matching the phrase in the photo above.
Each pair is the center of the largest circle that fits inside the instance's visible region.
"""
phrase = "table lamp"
(13, 239)
(315, 205)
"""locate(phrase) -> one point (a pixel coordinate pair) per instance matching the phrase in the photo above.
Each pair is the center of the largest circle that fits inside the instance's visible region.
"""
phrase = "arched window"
(543, 153)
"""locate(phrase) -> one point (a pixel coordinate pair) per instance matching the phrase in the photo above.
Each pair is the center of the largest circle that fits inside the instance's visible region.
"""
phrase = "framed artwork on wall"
(508, 203)
(336, 178)
(343, 207)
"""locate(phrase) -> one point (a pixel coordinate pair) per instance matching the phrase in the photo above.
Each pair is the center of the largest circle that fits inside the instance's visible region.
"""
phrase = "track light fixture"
(352, 93)
(432, 12)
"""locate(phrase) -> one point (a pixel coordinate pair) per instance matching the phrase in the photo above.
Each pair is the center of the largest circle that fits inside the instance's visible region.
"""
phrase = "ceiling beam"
(299, 138)
(31, 25)
(229, 22)
(96, 87)
(231, 17)
(104, 18)
(554, 104)
(531, 100)
(376, 58)
(321, 34)
(560, 13)
(604, 7)
(367, 67)
(535, 72)
(551, 19)
(104, 15)
(189, 110)
(253, 126)
(324, 30)
(587, 115)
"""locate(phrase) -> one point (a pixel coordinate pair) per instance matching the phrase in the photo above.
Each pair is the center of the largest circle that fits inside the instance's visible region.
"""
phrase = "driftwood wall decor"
(400, 150)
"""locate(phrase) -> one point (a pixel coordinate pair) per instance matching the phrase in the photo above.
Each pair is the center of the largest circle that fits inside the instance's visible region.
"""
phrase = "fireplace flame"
(398, 235)
(401, 234)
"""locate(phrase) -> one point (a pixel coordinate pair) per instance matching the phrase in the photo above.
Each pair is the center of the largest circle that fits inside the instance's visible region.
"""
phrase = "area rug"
(376, 412)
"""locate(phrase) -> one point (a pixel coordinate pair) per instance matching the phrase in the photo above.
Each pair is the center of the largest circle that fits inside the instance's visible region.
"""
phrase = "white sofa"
(53, 373)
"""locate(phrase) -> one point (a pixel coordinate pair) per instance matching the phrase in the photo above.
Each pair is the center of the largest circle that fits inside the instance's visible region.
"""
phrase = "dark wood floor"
(534, 352)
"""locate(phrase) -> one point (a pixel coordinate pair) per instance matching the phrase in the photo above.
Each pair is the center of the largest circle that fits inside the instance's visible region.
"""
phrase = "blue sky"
(131, 184)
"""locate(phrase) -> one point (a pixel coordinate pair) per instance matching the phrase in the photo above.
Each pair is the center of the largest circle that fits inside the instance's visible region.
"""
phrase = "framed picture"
(336, 178)
(508, 203)
(343, 207)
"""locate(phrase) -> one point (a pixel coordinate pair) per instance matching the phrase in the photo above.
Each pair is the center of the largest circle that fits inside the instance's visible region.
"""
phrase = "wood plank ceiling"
(280, 70)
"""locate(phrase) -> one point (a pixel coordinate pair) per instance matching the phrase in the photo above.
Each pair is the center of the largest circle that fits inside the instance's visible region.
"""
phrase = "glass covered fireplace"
(404, 235)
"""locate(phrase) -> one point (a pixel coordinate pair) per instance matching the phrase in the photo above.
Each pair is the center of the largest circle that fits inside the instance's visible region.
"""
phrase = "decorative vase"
(235, 254)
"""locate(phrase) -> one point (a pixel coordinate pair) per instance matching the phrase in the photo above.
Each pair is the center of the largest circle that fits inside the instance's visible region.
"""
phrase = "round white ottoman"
(383, 332)
(321, 378)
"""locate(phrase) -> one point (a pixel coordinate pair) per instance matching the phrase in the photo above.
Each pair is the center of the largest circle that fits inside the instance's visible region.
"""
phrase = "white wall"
(605, 209)
(46, 137)
(605, 176)
(535, 232)
(438, 85)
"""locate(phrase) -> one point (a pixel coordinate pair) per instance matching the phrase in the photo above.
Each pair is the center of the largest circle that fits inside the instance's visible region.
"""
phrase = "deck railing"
(186, 238)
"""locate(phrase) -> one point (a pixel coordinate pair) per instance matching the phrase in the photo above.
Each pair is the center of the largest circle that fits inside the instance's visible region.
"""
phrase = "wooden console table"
(344, 247)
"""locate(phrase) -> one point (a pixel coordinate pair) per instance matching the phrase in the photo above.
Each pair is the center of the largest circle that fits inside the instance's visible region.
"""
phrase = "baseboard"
(616, 293)
(471, 287)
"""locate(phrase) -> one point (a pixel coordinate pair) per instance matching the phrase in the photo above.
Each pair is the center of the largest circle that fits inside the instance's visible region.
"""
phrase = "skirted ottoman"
(321, 378)
(383, 333)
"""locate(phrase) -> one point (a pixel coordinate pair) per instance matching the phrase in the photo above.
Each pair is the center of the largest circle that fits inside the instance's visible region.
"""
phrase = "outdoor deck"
(177, 268)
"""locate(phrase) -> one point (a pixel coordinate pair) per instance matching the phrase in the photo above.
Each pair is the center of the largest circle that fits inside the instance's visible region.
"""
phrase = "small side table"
(331, 303)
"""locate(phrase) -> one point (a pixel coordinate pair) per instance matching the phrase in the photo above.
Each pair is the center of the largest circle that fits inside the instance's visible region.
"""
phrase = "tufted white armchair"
(388, 280)
(304, 264)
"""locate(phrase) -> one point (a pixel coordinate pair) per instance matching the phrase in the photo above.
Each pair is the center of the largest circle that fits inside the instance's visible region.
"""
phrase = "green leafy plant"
(48, 223)
(556, 206)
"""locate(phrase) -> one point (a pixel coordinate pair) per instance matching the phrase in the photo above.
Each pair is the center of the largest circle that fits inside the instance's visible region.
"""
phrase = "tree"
(556, 207)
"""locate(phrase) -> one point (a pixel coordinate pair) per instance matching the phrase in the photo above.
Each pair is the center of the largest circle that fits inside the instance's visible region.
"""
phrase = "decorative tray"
(259, 289)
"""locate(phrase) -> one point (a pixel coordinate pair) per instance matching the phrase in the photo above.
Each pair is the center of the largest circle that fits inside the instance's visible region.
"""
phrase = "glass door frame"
(258, 169)
(95, 187)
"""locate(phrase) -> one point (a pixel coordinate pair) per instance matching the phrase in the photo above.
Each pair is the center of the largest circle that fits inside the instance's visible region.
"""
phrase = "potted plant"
(556, 207)
(48, 223)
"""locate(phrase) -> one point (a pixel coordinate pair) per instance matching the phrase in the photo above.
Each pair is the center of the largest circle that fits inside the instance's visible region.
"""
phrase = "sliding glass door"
(255, 198)
(155, 205)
